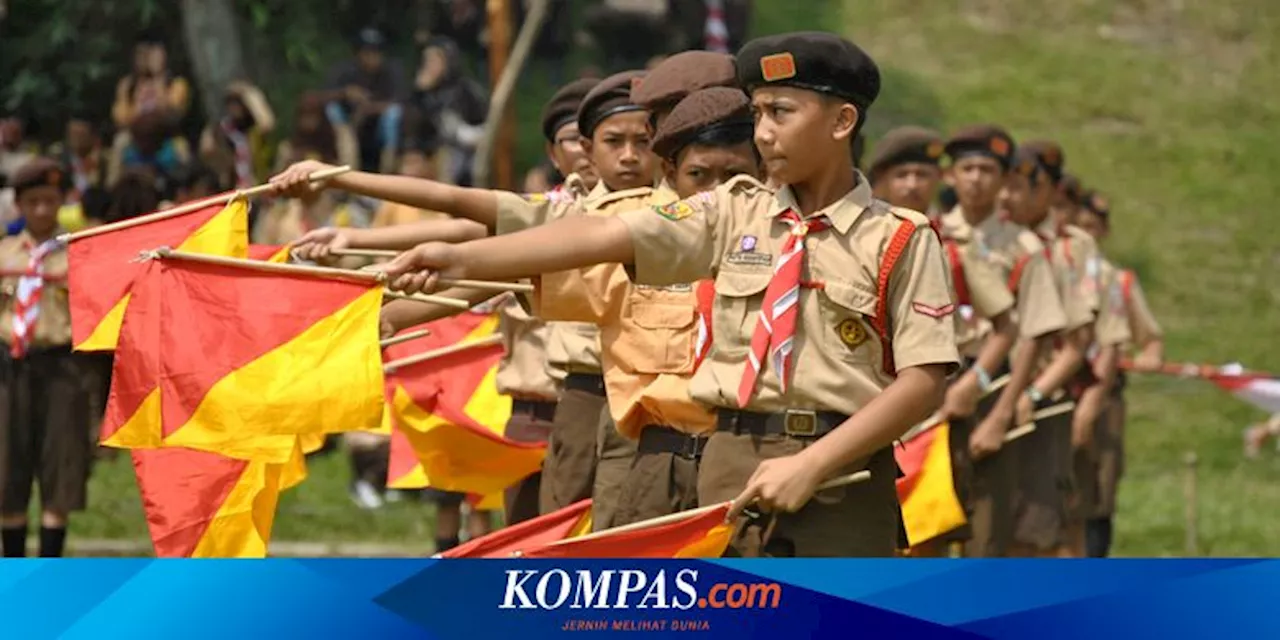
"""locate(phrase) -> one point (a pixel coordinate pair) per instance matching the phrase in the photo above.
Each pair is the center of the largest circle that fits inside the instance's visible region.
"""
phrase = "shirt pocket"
(658, 333)
(736, 310)
(848, 317)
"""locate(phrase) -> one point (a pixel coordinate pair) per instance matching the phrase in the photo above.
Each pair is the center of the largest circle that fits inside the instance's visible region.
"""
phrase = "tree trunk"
(213, 43)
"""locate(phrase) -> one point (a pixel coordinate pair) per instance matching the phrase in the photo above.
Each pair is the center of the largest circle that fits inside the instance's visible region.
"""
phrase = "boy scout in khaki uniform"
(1045, 476)
(650, 335)
(905, 172)
(982, 173)
(1094, 216)
(857, 336)
(44, 437)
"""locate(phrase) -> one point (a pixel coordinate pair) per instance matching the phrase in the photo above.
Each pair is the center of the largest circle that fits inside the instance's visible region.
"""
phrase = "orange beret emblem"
(778, 66)
(1051, 156)
(1025, 167)
(1000, 146)
(934, 150)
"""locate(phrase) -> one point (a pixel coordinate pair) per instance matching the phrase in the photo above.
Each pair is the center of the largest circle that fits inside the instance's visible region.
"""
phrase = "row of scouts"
(764, 318)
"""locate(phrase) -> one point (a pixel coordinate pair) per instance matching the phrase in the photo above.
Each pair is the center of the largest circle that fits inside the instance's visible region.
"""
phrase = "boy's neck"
(41, 238)
(976, 215)
(825, 189)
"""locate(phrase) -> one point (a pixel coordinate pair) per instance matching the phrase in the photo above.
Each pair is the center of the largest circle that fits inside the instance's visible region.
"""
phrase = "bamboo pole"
(1043, 414)
(486, 341)
(366, 253)
(504, 78)
(401, 339)
(855, 477)
(934, 420)
(191, 207)
(479, 285)
(443, 301)
(275, 267)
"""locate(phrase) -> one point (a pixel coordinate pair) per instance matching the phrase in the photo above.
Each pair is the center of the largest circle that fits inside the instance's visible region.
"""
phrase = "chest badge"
(851, 333)
(747, 244)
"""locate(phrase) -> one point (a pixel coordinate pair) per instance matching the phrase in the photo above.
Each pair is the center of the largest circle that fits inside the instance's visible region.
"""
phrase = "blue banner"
(527, 600)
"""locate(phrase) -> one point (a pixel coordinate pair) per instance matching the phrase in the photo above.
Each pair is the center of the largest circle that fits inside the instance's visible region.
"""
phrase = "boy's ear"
(669, 170)
(847, 118)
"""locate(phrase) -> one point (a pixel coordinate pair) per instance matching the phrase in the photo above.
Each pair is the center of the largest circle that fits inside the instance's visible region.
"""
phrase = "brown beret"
(562, 108)
(981, 139)
(907, 144)
(1026, 163)
(1052, 159)
(1071, 188)
(704, 113)
(813, 60)
(682, 74)
(1096, 203)
(36, 173)
(611, 96)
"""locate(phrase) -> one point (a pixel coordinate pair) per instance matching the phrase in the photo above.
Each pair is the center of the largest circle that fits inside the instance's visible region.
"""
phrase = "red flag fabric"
(537, 532)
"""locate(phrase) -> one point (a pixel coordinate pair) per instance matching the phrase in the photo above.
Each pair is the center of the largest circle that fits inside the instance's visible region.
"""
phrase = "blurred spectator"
(151, 86)
(134, 194)
(454, 103)
(153, 143)
(368, 453)
(463, 21)
(416, 163)
(540, 179)
(236, 145)
(315, 137)
(82, 156)
(195, 182)
(14, 150)
(368, 92)
(449, 519)
(630, 32)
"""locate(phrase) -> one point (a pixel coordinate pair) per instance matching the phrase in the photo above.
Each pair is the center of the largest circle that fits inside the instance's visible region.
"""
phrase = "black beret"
(1025, 162)
(682, 74)
(562, 108)
(36, 173)
(813, 60)
(1051, 157)
(699, 113)
(1096, 203)
(1071, 188)
(907, 144)
(612, 95)
(981, 139)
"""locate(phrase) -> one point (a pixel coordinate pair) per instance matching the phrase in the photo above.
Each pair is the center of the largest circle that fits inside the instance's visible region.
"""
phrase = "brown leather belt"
(592, 383)
(656, 438)
(540, 409)
(795, 423)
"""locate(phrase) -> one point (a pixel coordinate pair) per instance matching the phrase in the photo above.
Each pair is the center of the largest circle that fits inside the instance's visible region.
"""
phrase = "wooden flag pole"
(192, 206)
(275, 267)
(1045, 413)
(857, 476)
(365, 253)
(479, 285)
(443, 301)
(400, 339)
(936, 419)
(486, 341)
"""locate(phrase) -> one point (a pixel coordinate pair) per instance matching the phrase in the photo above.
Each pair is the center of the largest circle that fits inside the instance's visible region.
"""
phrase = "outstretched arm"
(320, 244)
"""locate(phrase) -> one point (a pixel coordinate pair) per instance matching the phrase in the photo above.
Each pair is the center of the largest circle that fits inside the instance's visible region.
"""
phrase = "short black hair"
(721, 136)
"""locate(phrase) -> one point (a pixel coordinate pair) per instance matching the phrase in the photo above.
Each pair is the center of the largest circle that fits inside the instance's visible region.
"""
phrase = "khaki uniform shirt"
(1076, 265)
(1142, 323)
(731, 234)
(53, 324)
(648, 335)
(572, 346)
(985, 281)
(1112, 325)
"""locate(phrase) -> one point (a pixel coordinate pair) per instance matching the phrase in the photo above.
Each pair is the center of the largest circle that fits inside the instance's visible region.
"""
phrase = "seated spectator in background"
(14, 150)
(417, 163)
(316, 138)
(151, 86)
(630, 32)
(454, 103)
(134, 194)
(462, 21)
(153, 143)
(82, 156)
(368, 93)
(289, 218)
(714, 25)
(540, 179)
(236, 145)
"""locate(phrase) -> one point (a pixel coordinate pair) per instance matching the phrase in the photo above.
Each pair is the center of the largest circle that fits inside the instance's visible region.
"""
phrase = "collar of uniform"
(1047, 229)
(597, 201)
(574, 185)
(991, 224)
(665, 190)
(29, 242)
(842, 213)
(953, 225)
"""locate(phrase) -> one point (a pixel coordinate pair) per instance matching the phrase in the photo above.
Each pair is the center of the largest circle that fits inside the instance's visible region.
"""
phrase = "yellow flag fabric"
(927, 489)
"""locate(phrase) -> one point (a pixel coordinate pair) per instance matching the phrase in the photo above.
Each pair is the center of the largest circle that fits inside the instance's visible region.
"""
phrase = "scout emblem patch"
(678, 210)
(851, 333)
(778, 66)
(747, 244)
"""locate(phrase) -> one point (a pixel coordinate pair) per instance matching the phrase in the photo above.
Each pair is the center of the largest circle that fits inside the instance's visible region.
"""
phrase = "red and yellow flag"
(278, 253)
(449, 412)
(569, 522)
(102, 267)
(702, 534)
(927, 489)
(238, 361)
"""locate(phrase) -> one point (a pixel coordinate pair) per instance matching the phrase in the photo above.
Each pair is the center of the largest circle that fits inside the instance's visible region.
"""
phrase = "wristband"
(984, 378)
(1034, 394)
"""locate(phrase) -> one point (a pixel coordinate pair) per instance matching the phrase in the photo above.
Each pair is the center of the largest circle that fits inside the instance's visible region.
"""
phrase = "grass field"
(1168, 107)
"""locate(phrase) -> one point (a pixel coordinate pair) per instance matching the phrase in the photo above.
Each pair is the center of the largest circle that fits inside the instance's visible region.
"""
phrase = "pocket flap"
(740, 284)
(850, 297)
(654, 315)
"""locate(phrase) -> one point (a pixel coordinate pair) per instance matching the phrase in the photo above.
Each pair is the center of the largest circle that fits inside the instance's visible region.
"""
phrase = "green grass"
(1168, 111)
(1164, 110)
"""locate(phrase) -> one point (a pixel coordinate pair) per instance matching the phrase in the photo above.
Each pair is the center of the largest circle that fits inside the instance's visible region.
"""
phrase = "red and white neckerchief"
(244, 155)
(26, 300)
(776, 326)
(706, 296)
(716, 31)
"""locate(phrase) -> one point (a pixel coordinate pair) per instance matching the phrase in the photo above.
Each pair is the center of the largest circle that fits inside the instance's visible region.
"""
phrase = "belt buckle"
(800, 423)
(692, 449)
